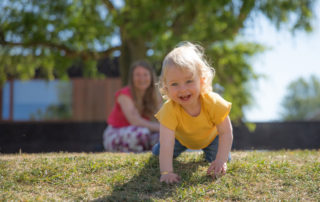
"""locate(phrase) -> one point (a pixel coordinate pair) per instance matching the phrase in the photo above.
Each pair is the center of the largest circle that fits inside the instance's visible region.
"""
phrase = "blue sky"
(289, 58)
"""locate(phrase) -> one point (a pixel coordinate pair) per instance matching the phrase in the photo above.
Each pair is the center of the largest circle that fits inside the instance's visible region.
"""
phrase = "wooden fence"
(92, 100)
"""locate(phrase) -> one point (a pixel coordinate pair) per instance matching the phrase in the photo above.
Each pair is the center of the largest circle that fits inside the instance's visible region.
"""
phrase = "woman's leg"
(128, 139)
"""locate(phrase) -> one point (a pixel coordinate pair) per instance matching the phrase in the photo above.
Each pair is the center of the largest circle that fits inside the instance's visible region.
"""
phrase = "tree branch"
(98, 55)
(69, 53)
(181, 20)
(245, 10)
(109, 5)
(2, 39)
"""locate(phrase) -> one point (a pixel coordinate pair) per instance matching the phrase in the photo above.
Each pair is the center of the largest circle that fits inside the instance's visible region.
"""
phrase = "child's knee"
(209, 157)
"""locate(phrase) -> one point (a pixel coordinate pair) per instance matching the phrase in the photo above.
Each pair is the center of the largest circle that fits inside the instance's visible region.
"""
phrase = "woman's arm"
(167, 140)
(132, 114)
(225, 143)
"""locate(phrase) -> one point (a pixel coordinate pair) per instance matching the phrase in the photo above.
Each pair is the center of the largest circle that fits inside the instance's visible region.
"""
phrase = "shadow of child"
(145, 186)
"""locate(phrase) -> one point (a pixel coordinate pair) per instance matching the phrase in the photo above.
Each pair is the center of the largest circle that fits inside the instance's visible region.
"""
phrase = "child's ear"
(201, 81)
(202, 84)
(166, 88)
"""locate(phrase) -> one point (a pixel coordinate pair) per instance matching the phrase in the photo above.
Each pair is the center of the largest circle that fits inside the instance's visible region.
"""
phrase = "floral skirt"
(129, 139)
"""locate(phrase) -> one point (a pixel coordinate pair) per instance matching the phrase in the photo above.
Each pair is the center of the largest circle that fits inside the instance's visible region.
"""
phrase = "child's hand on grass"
(217, 169)
(170, 178)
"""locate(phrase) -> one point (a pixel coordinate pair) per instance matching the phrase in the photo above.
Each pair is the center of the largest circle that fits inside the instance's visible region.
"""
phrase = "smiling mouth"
(185, 98)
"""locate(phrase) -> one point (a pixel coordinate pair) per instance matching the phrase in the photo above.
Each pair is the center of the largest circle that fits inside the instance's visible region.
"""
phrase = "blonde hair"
(187, 57)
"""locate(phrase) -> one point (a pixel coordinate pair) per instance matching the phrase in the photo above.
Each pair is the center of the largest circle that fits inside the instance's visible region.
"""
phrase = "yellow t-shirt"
(195, 132)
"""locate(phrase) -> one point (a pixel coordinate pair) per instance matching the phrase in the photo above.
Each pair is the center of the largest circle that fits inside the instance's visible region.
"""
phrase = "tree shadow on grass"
(145, 186)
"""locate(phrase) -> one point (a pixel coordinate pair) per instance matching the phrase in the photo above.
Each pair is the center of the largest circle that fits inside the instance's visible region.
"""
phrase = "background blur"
(289, 58)
(257, 47)
(62, 61)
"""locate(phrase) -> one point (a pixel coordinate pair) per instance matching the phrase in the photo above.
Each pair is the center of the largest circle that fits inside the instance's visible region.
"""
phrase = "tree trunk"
(1, 103)
(131, 50)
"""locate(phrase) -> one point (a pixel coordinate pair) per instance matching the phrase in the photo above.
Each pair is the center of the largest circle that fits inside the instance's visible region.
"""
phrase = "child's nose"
(183, 87)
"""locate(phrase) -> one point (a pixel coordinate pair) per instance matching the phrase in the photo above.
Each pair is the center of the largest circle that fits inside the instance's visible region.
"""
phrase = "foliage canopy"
(302, 101)
(53, 35)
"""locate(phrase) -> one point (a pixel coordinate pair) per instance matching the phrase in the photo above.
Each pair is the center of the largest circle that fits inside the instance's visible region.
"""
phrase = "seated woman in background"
(131, 124)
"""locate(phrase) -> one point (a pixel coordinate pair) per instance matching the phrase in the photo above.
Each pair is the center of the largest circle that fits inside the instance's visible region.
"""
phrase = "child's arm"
(219, 166)
(167, 140)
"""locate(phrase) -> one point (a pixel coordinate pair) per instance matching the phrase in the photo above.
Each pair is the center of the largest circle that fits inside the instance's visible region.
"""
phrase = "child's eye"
(189, 81)
(174, 84)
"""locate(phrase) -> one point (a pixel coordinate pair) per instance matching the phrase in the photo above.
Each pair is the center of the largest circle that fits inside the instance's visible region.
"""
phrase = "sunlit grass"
(252, 175)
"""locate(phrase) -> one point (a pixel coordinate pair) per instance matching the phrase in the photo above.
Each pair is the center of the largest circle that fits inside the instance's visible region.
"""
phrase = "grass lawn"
(251, 175)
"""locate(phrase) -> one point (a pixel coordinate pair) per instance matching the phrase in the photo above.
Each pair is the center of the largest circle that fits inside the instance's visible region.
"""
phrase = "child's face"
(183, 87)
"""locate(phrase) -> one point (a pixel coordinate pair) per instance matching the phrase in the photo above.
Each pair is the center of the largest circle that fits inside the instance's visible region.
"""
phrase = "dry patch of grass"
(252, 175)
